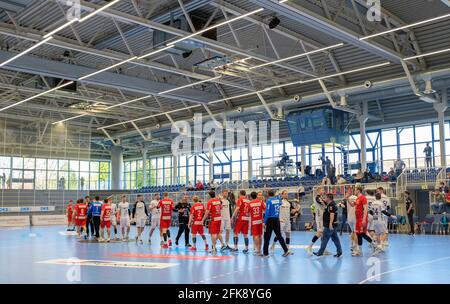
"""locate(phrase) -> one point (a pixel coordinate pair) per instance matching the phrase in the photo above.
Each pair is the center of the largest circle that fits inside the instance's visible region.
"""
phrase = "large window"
(53, 174)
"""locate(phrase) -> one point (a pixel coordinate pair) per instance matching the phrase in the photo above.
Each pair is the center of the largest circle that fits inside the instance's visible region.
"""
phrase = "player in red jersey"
(256, 208)
(214, 209)
(69, 214)
(80, 213)
(105, 220)
(166, 205)
(196, 222)
(242, 222)
(361, 213)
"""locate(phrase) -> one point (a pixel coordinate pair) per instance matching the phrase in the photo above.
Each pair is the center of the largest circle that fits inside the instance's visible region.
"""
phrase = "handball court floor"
(41, 254)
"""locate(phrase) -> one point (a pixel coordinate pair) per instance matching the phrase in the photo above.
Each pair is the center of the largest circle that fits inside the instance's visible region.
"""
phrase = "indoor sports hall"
(224, 142)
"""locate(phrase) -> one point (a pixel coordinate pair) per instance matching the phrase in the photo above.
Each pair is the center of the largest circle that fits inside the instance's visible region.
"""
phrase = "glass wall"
(53, 174)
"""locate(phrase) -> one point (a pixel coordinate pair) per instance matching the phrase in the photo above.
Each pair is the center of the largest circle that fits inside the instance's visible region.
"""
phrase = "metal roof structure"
(136, 101)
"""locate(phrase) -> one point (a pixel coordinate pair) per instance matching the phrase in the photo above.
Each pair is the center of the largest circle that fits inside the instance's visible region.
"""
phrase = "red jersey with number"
(166, 205)
(215, 209)
(106, 210)
(256, 209)
(243, 203)
(197, 211)
(81, 210)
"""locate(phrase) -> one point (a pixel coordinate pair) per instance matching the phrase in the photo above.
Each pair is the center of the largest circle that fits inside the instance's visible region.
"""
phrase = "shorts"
(70, 218)
(285, 227)
(257, 229)
(164, 224)
(214, 227)
(359, 227)
(155, 222)
(125, 221)
(225, 224)
(80, 223)
(104, 224)
(197, 229)
(241, 227)
(352, 224)
(140, 222)
(380, 227)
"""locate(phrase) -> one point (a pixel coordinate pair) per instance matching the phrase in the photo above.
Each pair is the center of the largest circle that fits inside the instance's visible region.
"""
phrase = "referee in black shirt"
(409, 212)
(329, 227)
(183, 209)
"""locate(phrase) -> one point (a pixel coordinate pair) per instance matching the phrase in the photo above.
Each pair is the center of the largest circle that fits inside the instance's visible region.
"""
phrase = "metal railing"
(410, 163)
(339, 191)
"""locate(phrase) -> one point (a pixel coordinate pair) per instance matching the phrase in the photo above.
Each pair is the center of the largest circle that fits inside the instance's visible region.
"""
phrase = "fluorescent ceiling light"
(25, 52)
(427, 54)
(67, 119)
(216, 25)
(92, 14)
(150, 116)
(107, 68)
(406, 26)
(189, 85)
(107, 108)
(60, 28)
(155, 52)
(233, 62)
(283, 1)
(297, 56)
(36, 96)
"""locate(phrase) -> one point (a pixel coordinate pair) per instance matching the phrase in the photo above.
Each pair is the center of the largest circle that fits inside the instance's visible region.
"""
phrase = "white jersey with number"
(285, 211)
(377, 211)
(113, 212)
(225, 213)
(156, 212)
(124, 208)
(386, 205)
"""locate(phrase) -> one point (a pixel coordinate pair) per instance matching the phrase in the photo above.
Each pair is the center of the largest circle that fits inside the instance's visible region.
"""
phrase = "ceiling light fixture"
(36, 96)
(406, 26)
(297, 56)
(427, 54)
(25, 52)
(92, 14)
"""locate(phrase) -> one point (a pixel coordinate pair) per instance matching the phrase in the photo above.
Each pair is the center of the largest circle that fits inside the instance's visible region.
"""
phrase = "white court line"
(404, 268)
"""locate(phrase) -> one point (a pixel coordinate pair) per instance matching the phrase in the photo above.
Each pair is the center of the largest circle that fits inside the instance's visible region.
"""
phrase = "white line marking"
(404, 268)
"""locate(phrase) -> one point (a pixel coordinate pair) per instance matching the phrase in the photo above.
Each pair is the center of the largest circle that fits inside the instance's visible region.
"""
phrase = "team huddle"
(249, 217)
(366, 215)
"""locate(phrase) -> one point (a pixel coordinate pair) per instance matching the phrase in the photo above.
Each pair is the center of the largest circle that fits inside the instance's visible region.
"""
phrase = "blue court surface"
(46, 255)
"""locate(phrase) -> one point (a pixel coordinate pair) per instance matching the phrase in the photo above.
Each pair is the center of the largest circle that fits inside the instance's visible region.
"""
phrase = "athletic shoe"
(229, 248)
(176, 243)
(265, 256)
(124, 239)
(165, 246)
(223, 248)
(309, 250)
(245, 251)
(318, 254)
(206, 247)
(338, 255)
(213, 250)
(170, 242)
(356, 253)
(287, 253)
(234, 249)
(108, 240)
(193, 248)
(188, 245)
(116, 238)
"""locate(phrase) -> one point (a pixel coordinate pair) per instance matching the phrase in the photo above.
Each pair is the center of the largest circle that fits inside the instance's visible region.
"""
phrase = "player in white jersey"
(124, 215)
(319, 204)
(225, 224)
(379, 214)
(114, 212)
(351, 218)
(285, 220)
(140, 216)
(155, 215)
(387, 207)
(370, 199)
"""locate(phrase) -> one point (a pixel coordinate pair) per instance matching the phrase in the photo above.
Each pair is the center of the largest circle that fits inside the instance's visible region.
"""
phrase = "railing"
(411, 163)
(339, 191)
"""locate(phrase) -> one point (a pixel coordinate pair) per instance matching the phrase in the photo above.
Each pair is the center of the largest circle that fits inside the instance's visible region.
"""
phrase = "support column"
(116, 167)
(362, 131)
(249, 162)
(211, 165)
(144, 166)
(303, 159)
(440, 108)
(175, 170)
